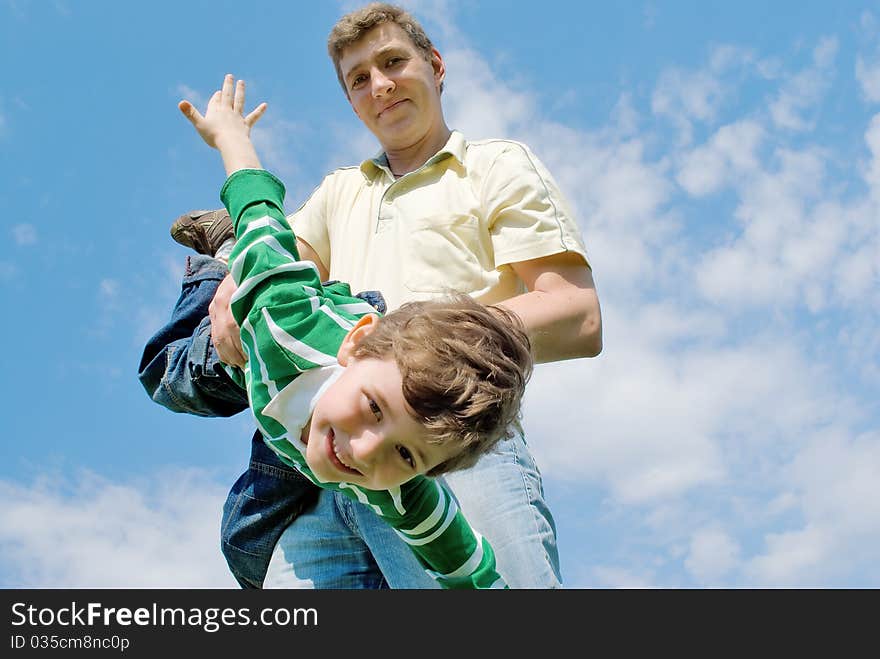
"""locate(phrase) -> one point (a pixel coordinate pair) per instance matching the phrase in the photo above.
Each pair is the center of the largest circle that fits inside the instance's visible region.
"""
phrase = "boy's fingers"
(238, 99)
(214, 100)
(226, 90)
(189, 111)
(252, 118)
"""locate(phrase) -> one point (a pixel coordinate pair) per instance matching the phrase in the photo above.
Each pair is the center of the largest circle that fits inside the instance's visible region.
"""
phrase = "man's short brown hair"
(464, 368)
(350, 28)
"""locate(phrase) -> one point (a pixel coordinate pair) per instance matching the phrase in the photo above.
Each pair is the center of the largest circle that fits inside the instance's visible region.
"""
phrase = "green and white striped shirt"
(291, 329)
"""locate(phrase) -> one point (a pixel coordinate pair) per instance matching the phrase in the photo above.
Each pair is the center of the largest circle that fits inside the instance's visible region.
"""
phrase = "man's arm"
(225, 333)
(561, 310)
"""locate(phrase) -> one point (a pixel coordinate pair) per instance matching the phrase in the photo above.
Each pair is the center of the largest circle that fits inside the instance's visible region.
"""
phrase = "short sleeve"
(309, 222)
(527, 214)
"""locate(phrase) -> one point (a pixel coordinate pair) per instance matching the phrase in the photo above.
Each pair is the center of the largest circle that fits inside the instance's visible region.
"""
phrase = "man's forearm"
(563, 324)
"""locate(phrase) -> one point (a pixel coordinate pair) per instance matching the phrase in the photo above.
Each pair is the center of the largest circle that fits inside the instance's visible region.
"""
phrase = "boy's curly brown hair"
(464, 368)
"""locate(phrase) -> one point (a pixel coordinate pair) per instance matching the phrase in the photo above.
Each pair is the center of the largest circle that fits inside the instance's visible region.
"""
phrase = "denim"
(343, 544)
(181, 371)
(261, 504)
(179, 368)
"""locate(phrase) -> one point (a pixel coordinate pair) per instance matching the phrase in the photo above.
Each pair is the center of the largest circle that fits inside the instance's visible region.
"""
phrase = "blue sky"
(724, 162)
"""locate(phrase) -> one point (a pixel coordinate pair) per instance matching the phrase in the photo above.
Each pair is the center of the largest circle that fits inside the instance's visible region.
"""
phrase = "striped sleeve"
(288, 324)
(426, 516)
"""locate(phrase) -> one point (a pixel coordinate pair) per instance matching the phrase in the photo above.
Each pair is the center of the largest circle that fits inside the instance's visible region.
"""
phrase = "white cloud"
(473, 88)
(663, 412)
(872, 173)
(687, 96)
(90, 532)
(618, 197)
(731, 152)
(793, 227)
(868, 75)
(803, 91)
(24, 234)
(624, 116)
(868, 65)
(837, 480)
(786, 238)
(711, 556)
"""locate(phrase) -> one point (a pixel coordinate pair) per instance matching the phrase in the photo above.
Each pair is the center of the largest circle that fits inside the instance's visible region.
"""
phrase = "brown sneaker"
(203, 231)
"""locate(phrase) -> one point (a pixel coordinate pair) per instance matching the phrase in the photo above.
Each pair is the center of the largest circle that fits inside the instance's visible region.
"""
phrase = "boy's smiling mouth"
(336, 456)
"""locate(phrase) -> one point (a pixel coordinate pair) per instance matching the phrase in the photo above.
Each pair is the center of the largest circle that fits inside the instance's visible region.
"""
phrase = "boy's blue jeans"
(180, 368)
(181, 371)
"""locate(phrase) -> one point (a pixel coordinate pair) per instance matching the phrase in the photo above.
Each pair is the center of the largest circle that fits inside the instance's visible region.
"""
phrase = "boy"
(363, 405)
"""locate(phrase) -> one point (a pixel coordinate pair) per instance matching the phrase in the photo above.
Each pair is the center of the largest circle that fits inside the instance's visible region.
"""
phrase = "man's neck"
(410, 158)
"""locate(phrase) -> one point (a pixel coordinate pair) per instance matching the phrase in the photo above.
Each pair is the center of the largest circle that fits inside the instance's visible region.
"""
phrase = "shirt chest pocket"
(443, 253)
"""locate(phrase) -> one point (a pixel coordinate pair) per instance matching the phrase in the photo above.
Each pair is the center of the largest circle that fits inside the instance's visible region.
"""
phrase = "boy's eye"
(407, 456)
(358, 80)
(374, 408)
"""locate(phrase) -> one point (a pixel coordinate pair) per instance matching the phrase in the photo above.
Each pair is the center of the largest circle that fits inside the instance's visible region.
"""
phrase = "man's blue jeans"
(343, 544)
(181, 371)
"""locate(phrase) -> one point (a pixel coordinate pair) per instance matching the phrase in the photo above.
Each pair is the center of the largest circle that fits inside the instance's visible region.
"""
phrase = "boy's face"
(362, 431)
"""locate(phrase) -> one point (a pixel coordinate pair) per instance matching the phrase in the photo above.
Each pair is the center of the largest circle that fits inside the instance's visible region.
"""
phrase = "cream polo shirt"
(454, 224)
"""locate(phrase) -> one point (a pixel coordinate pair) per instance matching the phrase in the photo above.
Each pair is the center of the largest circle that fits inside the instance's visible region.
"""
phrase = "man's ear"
(439, 67)
(362, 328)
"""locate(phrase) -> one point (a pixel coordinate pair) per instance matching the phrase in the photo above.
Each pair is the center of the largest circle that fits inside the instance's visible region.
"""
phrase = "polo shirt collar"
(455, 146)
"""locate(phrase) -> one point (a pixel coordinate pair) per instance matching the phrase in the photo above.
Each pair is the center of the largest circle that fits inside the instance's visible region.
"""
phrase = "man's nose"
(382, 84)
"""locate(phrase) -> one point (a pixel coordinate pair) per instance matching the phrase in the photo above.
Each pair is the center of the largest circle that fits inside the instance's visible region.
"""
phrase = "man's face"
(393, 89)
(362, 430)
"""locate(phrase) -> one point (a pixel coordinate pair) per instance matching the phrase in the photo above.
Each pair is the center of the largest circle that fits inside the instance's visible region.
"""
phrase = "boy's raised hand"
(224, 126)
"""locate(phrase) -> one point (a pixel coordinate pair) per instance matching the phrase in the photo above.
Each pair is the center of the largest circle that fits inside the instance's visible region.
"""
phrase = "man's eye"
(358, 81)
(407, 456)
(375, 409)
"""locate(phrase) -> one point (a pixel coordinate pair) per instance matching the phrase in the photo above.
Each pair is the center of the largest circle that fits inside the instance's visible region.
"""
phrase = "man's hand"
(224, 332)
(224, 127)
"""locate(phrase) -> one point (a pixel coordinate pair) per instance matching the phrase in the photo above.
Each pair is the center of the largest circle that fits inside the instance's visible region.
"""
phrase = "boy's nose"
(368, 448)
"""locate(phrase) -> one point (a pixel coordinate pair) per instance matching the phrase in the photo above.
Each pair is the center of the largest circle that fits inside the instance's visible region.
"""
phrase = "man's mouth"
(392, 106)
(337, 458)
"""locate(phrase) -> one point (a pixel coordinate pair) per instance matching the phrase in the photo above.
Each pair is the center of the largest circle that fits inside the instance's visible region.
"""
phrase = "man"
(433, 212)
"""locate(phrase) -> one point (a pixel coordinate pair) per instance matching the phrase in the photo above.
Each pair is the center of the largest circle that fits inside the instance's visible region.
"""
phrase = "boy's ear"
(361, 329)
